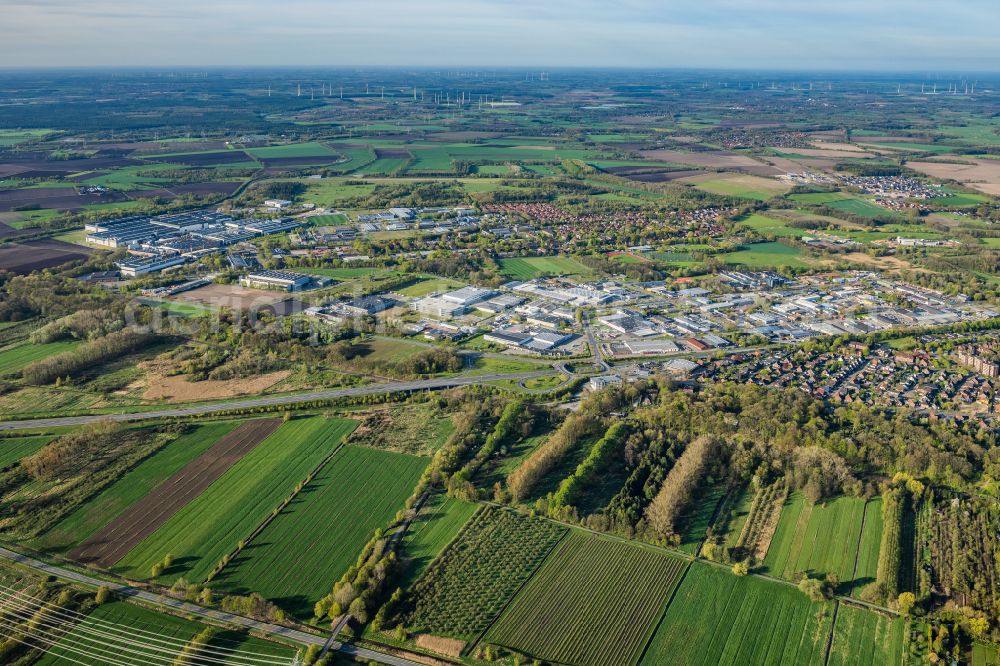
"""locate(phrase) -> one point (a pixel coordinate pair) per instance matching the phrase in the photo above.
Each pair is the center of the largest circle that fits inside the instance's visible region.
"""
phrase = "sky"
(914, 35)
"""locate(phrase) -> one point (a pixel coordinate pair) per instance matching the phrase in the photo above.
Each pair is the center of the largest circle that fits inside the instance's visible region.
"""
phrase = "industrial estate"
(509, 367)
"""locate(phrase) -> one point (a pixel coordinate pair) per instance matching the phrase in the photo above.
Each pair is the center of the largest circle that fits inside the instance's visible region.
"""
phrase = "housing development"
(498, 367)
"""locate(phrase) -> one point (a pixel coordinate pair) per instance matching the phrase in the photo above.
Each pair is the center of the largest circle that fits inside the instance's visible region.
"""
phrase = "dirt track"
(109, 545)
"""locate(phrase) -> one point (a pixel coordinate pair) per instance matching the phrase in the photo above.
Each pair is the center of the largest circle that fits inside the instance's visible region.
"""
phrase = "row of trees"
(542, 460)
(680, 486)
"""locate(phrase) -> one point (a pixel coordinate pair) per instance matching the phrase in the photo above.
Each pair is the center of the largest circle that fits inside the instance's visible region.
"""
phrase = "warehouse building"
(281, 280)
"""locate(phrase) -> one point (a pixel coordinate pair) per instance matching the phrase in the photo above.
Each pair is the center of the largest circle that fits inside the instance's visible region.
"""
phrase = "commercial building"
(282, 280)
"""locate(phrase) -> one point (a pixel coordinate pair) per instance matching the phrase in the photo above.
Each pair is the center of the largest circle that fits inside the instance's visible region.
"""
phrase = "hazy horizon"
(772, 35)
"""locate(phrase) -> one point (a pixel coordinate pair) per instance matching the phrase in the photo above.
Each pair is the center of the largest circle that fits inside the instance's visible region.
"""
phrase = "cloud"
(627, 33)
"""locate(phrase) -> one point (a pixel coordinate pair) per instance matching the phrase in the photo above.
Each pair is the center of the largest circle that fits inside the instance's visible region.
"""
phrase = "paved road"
(392, 387)
(294, 635)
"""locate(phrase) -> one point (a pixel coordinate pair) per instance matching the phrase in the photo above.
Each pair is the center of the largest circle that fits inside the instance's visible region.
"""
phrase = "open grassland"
(871, 538)
(526, 268)
(864, 637)
(768, 226)
(816, 538)
(128, 635)
(231, 508)
(716, 619)
(594, 602)
(985, 654)
(313, 541)
(13, 359)
(742, 186)
(697, 521)
(438, 522)
(133, 486)
(430, 285)
(13, 449)
(292, 150)
(464, 589)
(759, 255)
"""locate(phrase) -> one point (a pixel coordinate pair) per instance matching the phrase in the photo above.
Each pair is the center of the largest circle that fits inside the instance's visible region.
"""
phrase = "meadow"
(816, 538)
(716, 618)
(863, 637)
(760, 255)
(15, 358)
(311, 149)
(231, 508)
(470, 583)
(439, 521)
(526, 268)
(594, 602)
(296, 559)
(133, 486)
(13, 449)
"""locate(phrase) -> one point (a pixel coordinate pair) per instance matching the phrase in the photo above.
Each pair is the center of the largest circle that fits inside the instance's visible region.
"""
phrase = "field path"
(110, 544)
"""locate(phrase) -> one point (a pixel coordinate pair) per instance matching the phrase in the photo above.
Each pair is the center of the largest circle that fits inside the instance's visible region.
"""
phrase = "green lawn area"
(699, 517)
(13, 449)
(865, 637)
(133, 486)
(213, 523)
(12, 137)
(765, 254)
(311, 149)
(771, 227)
(985, 654)
(526, 268)
(819, 198)
(743, 187)
(333, 220)
(861, 207)
(718, 619)
(300, 555)
(430, 285)
(129, 635)
(343, 273)
(14, 359)
(817, 538)
(486, 365)
(438, 522)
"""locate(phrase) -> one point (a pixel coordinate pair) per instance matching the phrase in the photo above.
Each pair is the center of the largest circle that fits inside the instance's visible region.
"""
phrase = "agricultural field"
(293, 150)
(296, 559)
(13, 449)
(594, 602)
(13, 359)
(212, 524)
(439, 521)
(762, 255)
(861, 636)
(699, 518)
(135, 485)
(816, 538)
(130, 635)
(768, 226)
(716, 618)
(742, 186)
(526, 268)
(469, 584)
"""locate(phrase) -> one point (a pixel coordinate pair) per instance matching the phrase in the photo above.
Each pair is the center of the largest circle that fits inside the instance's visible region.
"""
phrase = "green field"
(594, 602)
(439, 521)
(985, 654)
(13, 359)
(770, 227)
(526, 268)
(864, 637)
(126, 635)
(213, 523)
(133, 486)
(300, 555)
(871, 538)
(12, 137)
(817, 538)
(470, 583)
(819, 198)
(765, 254)
(312, 149)
(716, 618)
(429, 286)
(13, 449)
(697, 521)
(861, 207)
(759, 188)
